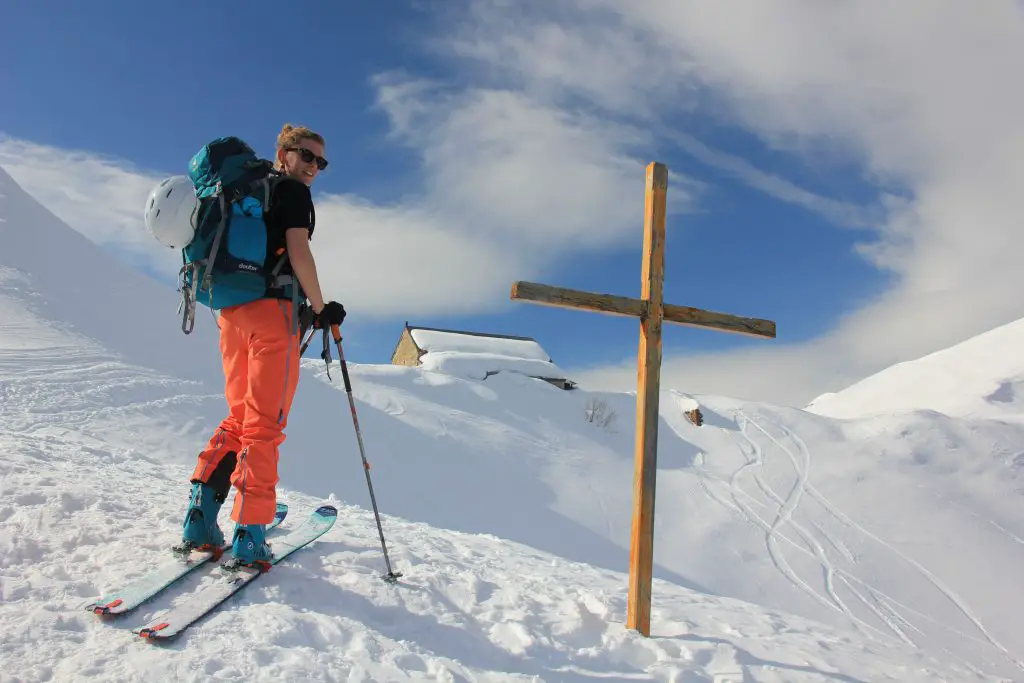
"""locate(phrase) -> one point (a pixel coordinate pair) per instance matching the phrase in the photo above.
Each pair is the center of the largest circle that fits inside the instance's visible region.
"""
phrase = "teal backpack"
(226, 263)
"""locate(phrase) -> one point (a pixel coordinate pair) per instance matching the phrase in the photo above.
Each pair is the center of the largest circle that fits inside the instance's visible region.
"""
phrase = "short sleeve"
(293, 205)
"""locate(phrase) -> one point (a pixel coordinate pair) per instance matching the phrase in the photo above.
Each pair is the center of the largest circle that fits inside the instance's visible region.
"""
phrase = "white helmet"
(171, 212)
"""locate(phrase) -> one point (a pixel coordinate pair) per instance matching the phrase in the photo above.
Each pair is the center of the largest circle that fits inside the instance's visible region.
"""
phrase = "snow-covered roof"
(477, 355)
(434, 340)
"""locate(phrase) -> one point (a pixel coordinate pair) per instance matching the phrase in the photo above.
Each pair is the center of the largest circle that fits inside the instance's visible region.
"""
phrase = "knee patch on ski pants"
(260, 351)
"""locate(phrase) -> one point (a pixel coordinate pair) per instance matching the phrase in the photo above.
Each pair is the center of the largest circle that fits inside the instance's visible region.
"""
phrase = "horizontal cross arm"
(723, 322)
(560, 297)
(611, 304)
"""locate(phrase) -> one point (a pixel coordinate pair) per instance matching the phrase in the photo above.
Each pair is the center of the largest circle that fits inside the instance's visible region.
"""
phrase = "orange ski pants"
(260, 350)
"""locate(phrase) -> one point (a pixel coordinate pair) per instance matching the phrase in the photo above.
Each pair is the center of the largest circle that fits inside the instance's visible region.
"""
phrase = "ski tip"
(326, 511)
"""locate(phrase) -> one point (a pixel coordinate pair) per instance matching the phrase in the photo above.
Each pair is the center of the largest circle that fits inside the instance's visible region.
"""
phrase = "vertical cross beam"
(645, 464)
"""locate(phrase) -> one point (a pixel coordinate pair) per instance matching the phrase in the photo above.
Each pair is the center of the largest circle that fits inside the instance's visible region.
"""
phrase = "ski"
(161, 577)
(229, 580)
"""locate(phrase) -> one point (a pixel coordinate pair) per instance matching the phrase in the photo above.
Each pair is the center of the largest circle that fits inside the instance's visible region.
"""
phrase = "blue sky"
(389, 85)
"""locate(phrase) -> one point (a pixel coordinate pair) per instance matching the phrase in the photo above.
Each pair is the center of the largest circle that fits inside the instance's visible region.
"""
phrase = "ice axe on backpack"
(307, 314)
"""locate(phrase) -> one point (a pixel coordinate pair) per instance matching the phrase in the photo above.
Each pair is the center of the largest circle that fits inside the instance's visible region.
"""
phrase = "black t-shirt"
(291, 206)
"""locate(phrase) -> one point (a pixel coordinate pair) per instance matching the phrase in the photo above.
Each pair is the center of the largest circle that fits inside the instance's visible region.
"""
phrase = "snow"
(790, 545)
(478, 357)
(980, 377)
(687, 403)
(440, 340)
(483, 365)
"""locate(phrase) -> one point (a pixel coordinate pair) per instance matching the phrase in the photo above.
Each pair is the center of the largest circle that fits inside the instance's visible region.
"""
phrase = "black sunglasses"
(308, 157)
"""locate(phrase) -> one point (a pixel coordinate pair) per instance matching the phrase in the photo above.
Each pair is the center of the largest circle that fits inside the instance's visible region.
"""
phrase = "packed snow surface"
(790, 545)
(483, 365)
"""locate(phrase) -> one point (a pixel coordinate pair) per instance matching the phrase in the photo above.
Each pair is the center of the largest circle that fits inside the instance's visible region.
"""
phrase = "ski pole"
(306, 323)
(305, 344)
(391, 576)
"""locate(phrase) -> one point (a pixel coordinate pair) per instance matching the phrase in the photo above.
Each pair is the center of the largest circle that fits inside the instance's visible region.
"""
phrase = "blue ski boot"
(200, 529)
(249, 546)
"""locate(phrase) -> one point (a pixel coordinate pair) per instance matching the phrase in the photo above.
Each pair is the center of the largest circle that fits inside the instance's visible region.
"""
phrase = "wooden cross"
(652, 312)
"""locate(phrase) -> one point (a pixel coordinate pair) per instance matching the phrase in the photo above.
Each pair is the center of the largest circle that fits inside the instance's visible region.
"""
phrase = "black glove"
(332, 313)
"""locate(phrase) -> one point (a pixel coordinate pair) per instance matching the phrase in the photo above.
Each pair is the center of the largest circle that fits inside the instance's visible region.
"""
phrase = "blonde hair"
(292, 136)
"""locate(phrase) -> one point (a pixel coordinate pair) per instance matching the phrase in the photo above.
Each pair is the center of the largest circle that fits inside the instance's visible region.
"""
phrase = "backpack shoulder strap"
(272, 181)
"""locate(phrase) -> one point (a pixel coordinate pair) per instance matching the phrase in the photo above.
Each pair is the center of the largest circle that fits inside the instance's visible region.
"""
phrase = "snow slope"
(789, 546)
(75, 284)
(980, 377)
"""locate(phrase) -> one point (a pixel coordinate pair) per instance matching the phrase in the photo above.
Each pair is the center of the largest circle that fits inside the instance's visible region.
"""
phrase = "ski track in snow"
(929, 575)
(787, 509)
(773, 531)
(879, 603)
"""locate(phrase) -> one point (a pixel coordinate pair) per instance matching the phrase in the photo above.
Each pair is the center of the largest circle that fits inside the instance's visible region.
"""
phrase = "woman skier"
(259, 345)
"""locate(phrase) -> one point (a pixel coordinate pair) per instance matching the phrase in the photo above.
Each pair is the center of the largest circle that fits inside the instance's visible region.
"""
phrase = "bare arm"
(301, 258)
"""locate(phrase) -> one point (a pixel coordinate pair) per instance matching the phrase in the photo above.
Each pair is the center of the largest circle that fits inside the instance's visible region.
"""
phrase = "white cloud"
(526, 173)
(782, 374)
(101, 197)
(840, 213)
(566, 52)
(510, 185)
(921, 94)
(403, 260)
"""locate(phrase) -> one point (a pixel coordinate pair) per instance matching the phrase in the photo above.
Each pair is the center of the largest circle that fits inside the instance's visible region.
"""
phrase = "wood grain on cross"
(652, 312)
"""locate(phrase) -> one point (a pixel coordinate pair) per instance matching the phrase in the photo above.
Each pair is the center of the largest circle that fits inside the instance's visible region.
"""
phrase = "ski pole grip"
(336, 331)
